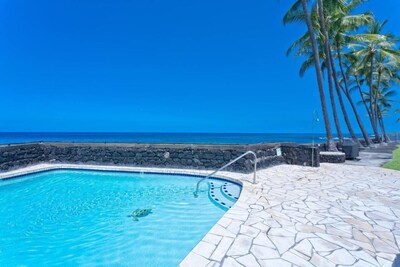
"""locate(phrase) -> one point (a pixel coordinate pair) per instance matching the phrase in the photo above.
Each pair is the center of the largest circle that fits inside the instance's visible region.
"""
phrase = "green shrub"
(395, 163)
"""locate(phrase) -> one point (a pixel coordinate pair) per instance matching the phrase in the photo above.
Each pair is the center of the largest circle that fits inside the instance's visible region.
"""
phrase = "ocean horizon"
(167, 138)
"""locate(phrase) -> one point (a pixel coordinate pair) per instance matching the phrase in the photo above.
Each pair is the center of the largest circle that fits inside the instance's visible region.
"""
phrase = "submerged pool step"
(220, 197)
(230, 191)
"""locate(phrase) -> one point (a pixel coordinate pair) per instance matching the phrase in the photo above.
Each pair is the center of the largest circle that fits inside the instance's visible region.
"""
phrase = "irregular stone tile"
(384, 262)
(280, 232)
(295, 259)
(360, 225)
(212, 239)
(339, 241)
(328, 221)
(359, 214)
(314, 218)
(282, 243)
(377, 215)
(224, 222)
(248, 260)
(249, 231)
(261, 226)
(262, 215)
(363, 245)
(221, 231)
(263, 240)
(304, 247)
(234, 227)
(334, 231)
(341, 256)
(359, 236)
(276, 222)
(362, 263)
(256, 207)
(204, 249)
(371, 236)
(239, 217)
(253, 220)
(277, 262)
(213, 264)
(340, 213)
(301, 255)
(221, 249)
(319, 261)
(194, 260)
(362, 255)
(306, 228)
(385, 247)
(231, 262)
(241, 246)
(301, 236)
(321, 245)
(387, 256)
(263, 253)
(388, 225)
(386, 236)
(378, 228)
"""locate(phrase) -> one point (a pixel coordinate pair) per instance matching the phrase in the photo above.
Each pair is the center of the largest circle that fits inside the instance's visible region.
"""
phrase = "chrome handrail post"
(255, 168)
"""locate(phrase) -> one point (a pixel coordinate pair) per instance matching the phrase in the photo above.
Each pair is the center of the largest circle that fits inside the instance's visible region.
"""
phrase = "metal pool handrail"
(226, 165)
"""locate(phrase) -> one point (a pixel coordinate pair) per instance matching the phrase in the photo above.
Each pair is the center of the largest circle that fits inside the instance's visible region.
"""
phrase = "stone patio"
(335, 215)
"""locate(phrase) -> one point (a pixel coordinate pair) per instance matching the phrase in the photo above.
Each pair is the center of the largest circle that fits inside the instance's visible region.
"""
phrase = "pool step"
(230, 191)
(218, 195)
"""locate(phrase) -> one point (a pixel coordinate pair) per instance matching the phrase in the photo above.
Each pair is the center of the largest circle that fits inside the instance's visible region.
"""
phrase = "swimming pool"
(81, 217)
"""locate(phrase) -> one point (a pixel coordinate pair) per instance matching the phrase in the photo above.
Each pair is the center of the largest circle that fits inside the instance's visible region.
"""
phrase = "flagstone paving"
(335, 215)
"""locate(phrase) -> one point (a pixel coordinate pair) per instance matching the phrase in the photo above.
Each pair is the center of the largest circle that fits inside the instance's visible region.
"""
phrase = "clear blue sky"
(168, 66)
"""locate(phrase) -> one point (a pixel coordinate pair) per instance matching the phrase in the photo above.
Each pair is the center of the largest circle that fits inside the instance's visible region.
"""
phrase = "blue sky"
(163, 66)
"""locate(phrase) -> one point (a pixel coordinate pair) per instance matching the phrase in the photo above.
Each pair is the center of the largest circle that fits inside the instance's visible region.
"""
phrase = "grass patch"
(395, 163)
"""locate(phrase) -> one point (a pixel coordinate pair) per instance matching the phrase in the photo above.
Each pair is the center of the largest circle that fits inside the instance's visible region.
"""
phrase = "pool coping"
(49, 167)
(192, 258)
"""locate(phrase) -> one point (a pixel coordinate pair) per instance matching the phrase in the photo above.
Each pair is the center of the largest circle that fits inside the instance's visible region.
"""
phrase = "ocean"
(166, 138)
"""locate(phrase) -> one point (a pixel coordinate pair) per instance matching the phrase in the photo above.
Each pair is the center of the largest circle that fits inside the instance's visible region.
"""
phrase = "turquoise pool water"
(74, 217)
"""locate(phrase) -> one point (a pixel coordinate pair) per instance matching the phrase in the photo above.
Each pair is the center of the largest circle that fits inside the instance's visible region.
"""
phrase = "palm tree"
(377, 61)
(328, 63)
(324, 24)
(304, 14)
(342, 23)
(384, 105)
(333, 40)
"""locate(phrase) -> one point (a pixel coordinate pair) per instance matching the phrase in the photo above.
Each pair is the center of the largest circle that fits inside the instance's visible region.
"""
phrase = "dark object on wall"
(350, 148)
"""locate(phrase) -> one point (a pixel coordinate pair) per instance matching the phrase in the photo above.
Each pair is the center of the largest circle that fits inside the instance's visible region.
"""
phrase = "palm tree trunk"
(334, 108)
(330, 143)
(382, 124)
(373, 125)
(367, 139)
(320, 9)
(342, 105)
(376, 96)
(362, 96)
(371, 100)
(364, 132)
